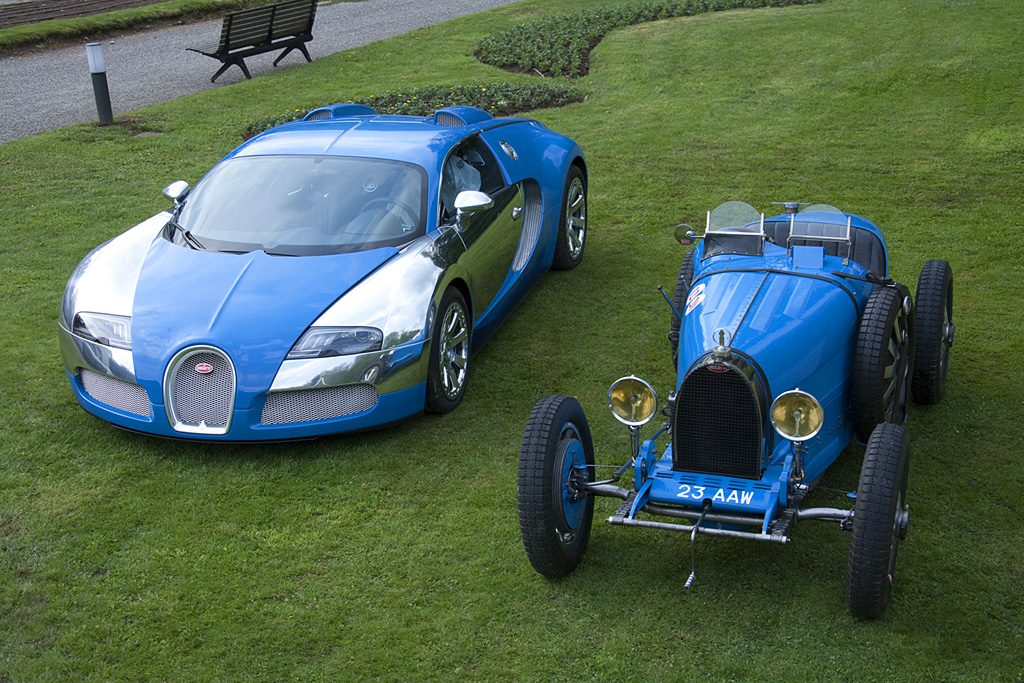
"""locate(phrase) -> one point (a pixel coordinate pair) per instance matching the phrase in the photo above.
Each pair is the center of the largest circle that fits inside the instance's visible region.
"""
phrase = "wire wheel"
(883, 360)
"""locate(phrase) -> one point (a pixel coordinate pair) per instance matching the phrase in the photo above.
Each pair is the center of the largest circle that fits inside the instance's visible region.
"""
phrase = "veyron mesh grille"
(284, 407)
(717, 425)
(117, 393)
(446, 119)
(320, 115)
(198, 397)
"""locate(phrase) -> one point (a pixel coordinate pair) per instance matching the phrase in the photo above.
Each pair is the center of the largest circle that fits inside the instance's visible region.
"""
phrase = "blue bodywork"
(251, 308)
(790, 315)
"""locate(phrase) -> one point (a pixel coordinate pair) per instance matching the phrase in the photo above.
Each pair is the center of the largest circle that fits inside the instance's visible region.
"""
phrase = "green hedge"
(561, 45)
(500, 99)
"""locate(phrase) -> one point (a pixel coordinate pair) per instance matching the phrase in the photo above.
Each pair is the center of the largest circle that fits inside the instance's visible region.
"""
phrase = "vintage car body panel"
(243, 312)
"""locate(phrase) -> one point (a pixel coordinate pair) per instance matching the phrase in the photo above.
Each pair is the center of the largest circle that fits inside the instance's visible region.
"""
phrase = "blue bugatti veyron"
(331, 274)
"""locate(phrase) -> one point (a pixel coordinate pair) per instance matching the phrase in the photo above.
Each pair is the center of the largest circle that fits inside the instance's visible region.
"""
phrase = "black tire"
(572, 227)
(683, 282)
(448, 368)
(555, 519)
(883, 360)
(880, 520)
(934, 334)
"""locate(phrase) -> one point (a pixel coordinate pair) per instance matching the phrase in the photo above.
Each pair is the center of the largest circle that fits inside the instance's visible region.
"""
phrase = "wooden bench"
(286, 25)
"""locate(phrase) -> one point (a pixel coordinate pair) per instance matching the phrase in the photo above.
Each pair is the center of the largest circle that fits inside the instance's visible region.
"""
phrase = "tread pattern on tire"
(537, 523)
(869, 359)
(683, 282)
(883, 477)
(934, 296)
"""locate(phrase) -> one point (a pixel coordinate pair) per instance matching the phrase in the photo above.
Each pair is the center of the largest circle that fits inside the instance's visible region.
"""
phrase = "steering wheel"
(406, 214)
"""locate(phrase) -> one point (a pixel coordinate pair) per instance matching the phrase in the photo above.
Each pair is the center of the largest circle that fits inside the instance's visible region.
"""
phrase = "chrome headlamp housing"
(632, 401)
(796, 415)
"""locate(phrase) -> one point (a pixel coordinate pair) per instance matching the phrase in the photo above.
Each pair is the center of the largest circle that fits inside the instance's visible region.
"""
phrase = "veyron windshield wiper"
(190, 239)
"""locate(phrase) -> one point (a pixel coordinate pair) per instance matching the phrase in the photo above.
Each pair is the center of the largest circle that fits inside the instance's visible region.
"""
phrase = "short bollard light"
(98, 69)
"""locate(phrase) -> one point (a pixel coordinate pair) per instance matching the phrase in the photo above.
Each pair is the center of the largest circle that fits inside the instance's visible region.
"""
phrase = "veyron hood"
(251, 306)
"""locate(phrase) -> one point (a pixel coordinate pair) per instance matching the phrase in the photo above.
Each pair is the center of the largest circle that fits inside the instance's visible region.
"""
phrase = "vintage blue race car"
(790, 340)
(331, 274)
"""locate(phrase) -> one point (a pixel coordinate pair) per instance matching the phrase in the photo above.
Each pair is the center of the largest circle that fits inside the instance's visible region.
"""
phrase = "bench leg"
(226, 65)
(301, 47)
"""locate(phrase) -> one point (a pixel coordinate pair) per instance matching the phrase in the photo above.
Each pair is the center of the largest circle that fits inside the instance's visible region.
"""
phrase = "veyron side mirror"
(685, 234)
(471, 201)
(176, 191)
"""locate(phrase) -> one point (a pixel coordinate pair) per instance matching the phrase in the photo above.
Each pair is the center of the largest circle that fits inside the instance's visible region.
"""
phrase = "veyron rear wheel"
(556, 456)
(934, 334)
(572, 229)
(883, 360)
(880, 520)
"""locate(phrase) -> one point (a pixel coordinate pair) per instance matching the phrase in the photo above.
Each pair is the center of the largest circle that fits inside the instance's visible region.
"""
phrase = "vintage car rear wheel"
(449, 354)
(882, 360)
(880, 520)
(555, 516)
(683, 282)
(572, 229)
(934, 334)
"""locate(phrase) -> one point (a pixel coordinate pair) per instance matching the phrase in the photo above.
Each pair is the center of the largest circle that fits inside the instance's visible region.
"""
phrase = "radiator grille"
(116, 393)
(284, 407)
(717, 427)
(201, 390)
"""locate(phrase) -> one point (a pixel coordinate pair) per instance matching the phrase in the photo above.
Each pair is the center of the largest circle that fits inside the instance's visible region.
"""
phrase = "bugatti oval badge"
(204, 368)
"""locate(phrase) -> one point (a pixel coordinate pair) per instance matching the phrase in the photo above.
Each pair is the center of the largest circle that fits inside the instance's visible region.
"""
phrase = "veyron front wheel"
(883, 360)
(572, 229)
(449, 354)
(555, 515)
(880, 520)
(934, 334)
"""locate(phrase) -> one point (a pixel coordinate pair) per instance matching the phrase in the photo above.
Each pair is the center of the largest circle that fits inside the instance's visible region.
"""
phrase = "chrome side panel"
(400, 299)
(105, 279)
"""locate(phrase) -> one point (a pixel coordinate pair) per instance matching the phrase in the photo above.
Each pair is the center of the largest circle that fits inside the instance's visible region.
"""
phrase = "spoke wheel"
(449, 356)
(883, 360)
(934, 312)
(881, 517)
(555, 515)
(572, 230)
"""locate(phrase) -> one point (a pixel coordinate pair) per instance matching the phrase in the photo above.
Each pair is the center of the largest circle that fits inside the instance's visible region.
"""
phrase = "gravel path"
(45, 91)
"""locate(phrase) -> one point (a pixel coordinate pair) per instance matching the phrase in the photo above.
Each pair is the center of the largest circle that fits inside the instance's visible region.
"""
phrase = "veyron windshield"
(304, 205)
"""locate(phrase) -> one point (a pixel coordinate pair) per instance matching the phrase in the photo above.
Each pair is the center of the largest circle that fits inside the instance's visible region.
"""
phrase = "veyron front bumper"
(201, 396)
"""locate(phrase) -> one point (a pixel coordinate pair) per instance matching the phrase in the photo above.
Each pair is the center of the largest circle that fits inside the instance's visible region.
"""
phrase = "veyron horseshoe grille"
(718, 425)
(199, 389)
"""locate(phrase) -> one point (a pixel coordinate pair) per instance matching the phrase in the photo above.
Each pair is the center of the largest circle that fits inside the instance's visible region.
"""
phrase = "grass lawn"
(395, 555)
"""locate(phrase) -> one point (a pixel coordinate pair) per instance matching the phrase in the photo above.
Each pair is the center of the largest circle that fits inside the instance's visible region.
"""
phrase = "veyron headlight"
(324, 342)
(797, 415)
(102, 328)
(632, 401)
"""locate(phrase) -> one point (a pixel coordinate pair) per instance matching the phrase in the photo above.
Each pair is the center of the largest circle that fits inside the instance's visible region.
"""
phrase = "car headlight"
(797, 415)
(109, 330)
(632, 401)
(324, 342)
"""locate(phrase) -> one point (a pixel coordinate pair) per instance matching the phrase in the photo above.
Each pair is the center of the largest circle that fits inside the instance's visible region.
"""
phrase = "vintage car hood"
(252, 306)
(788, 323)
